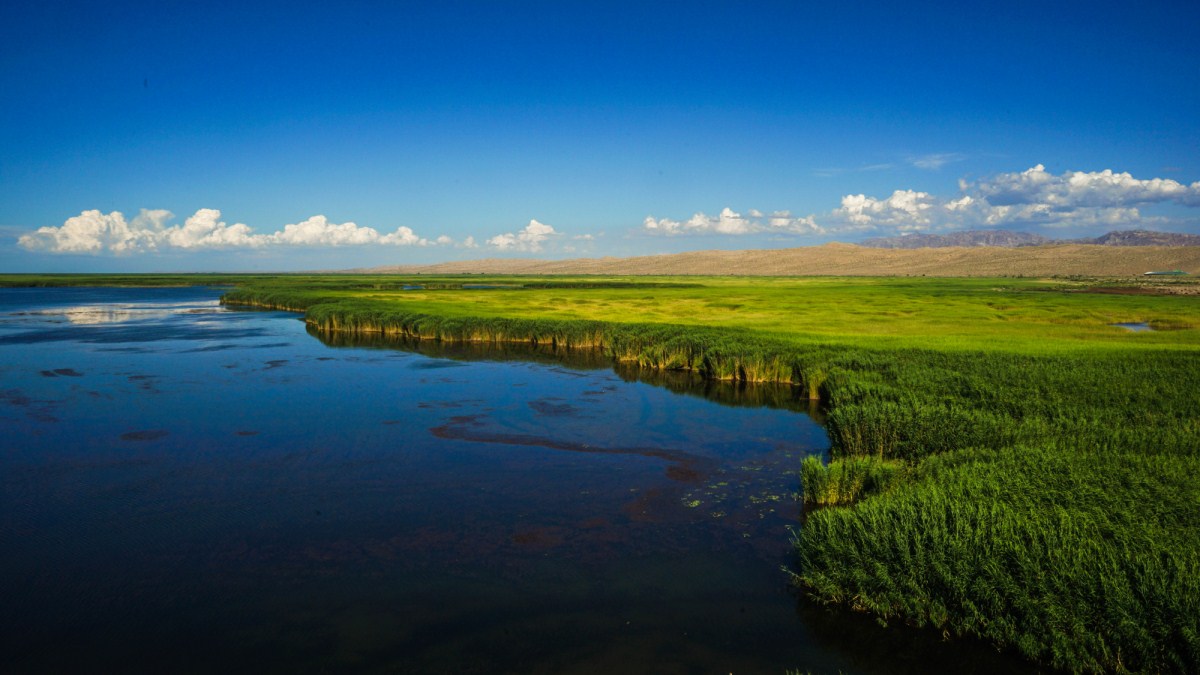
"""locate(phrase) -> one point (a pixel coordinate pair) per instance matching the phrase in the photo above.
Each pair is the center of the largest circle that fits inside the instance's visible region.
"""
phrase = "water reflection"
(738, 394)
(90, 315)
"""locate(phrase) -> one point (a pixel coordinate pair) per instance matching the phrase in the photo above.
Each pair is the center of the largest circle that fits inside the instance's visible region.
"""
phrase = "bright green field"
(1006, 464)
(1012, 314)
(950, 312)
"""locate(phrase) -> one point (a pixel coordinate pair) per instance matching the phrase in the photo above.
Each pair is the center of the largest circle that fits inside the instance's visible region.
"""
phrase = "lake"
(186, 487)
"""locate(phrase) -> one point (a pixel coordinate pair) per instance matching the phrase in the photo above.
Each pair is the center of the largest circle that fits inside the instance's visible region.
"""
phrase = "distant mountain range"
(1009, 239)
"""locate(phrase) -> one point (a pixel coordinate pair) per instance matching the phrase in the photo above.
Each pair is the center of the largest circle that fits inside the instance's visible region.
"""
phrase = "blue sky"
(165, 136)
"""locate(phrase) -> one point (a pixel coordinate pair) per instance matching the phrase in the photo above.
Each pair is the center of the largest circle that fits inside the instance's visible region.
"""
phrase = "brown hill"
(848, 259)
(1009, 238)
(1146, 238)
(1006, 238)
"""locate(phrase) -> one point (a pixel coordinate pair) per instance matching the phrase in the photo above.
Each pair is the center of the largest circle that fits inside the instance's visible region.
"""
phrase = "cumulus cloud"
(318, 231)
(204, 230)
(529, 239)
(905, 210)
(1034, 197)
(95, 232)
(727, 222)
(733, 223)
(1097, 189)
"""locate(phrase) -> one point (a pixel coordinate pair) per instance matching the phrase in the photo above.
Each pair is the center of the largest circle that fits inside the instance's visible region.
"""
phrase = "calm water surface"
(185, 487)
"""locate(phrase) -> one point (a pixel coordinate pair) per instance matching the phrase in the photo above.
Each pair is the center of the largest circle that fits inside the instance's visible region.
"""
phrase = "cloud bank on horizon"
(96, 232)
(1030, 198)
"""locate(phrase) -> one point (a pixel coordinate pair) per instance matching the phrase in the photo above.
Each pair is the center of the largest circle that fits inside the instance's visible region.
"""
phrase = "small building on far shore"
(1169, 273)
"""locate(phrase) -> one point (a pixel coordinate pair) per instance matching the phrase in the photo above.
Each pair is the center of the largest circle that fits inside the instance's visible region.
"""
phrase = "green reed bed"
(1004, 464)
(1053, 508)
(1016, 469)
(1083, 559)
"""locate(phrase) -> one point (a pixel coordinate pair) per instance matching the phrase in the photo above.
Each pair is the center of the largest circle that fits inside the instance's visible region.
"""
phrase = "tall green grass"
(1082, 558)
(1004, 463)
(1033, 483)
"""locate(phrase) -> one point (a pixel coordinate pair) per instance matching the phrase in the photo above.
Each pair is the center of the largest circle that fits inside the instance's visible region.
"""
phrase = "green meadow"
(1006, 464)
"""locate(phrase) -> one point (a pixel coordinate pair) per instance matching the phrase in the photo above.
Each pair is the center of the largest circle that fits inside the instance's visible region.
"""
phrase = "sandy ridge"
(851, 260)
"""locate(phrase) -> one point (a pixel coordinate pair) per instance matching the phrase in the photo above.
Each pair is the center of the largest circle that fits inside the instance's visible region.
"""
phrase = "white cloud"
(728, 222)
(318, 231)
(204, 230)
(1035, 197)
(151, 220)
(404, 236)
(1031, 198)
(1097, 189)
(784, 222)
(529, 239)
(95, 232)
(733, 223)
(905, 210)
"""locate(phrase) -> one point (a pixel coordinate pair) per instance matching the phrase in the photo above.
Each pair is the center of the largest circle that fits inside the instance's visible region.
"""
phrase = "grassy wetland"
(1007, 464)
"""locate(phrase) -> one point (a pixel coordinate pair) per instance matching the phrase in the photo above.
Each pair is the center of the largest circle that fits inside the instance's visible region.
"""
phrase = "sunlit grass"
(1002, 445)
(1005, 463)
(1009, 314)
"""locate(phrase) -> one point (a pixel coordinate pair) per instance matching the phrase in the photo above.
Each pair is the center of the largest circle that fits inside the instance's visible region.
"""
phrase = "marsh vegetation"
(1006, 463)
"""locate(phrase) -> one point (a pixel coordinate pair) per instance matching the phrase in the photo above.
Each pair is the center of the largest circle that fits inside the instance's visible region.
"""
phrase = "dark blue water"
(185, 487)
